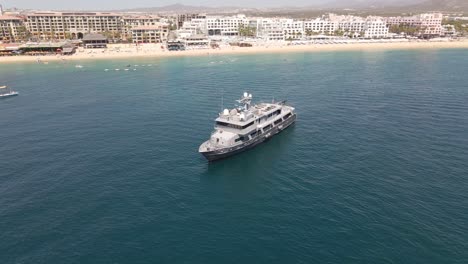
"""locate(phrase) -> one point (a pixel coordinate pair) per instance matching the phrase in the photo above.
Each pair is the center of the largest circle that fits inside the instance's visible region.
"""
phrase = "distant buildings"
(320, 25)
(155, 29)
(279, 29)
(150, 34)
(270, 29)
(182, 18)
(11, 28)
(429, 24)
(131, 22)
(66, 25)
(225, 25)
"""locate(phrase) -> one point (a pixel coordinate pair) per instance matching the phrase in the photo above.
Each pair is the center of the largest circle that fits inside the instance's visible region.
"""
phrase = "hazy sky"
(119, 4)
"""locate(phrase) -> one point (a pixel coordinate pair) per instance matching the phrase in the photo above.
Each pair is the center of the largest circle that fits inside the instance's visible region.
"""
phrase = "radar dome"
(226, 112)
(234, 111)
(245, 94)
(242, 116)
(250, 95)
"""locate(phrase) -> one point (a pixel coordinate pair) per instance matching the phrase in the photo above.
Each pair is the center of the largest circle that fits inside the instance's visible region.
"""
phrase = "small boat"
(7, 92)
(78, 66)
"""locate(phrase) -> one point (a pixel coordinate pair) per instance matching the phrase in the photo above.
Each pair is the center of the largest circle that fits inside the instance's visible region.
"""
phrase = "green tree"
(461, 26)
(407, 29)
(247, 31)
(339, 32)
(23, 33)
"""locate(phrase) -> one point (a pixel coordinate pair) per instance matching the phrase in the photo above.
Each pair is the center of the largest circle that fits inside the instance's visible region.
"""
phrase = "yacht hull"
(228, 152)
(8, 95)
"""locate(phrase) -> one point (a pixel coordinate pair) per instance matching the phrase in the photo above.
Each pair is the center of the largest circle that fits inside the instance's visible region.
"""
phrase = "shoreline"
(126, 51)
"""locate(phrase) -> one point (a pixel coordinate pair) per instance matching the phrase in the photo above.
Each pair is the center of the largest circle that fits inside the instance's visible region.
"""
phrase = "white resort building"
(320, 25)
(430, 23)
(270, 29)
(225, 25)
(129, 22)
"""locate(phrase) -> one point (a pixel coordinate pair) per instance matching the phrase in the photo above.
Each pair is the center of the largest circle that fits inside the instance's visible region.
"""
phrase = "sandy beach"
(116, 51)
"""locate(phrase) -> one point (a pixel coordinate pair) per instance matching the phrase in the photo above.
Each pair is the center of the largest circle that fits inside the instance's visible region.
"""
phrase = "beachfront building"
(293, 29)
(320, 25)
(375, 27)
(74, 25)
(11, 29)
(352, 26)
(150, 34)
(195, 26)
(129, 22)
(270, 29)
(182, 18)
(429, 24)
(95, 41)
(197, 42)
(225, 25)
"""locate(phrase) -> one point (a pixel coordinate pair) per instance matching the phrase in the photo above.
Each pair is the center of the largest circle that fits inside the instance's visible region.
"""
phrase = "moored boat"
(246, 126)
(5, 91)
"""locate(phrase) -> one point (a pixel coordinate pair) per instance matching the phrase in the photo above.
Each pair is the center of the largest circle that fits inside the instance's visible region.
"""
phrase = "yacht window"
(287, 116)
(249, 124)
(278, 121)
(224, 124)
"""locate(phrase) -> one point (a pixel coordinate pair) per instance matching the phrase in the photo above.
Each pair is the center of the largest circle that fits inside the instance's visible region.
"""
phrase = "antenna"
(222, 99)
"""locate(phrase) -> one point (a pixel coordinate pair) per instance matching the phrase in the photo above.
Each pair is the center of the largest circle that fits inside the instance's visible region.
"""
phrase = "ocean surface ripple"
(102, 166)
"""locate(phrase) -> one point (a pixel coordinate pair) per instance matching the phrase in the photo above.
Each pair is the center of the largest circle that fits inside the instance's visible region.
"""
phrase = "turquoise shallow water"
(102, 167)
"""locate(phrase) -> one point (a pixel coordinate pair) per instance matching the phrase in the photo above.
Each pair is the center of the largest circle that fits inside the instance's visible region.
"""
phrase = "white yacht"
(246, 126)
(7, 92)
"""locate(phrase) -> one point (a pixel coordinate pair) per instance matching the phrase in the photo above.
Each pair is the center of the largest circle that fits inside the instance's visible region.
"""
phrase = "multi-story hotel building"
(150, 33)
(11, 28)
(130, 22)
(270, 29)
(320, 25)
(293, 29)
(430, 23)
(375, 27)
(195, 26)
(225, 25)
(63, 25)
(182, 18)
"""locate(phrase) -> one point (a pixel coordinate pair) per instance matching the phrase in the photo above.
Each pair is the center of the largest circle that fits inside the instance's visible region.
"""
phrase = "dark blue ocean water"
(102, 167)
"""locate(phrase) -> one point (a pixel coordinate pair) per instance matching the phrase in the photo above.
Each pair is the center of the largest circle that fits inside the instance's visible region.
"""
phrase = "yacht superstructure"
(246, 126)
(6, 92)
